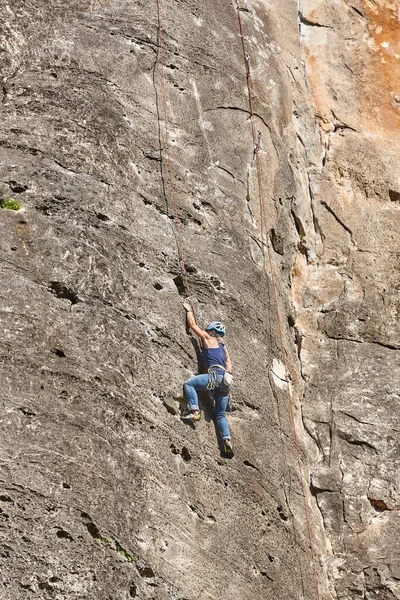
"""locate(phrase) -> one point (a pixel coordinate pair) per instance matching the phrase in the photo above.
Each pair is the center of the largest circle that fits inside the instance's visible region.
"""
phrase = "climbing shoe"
(192, 416)
(229, 453)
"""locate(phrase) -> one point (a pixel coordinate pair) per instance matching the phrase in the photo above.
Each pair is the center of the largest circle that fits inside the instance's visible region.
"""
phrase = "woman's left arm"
(228, 361)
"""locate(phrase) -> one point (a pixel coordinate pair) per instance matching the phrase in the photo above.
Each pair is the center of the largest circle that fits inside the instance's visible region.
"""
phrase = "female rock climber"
(218, 377)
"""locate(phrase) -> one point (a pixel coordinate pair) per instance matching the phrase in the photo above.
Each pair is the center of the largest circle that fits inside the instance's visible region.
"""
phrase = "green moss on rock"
(10, 204)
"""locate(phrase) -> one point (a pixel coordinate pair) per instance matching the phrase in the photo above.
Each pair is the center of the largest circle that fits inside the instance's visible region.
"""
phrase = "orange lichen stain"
(319, 98)
(317, 77)
(381, 78)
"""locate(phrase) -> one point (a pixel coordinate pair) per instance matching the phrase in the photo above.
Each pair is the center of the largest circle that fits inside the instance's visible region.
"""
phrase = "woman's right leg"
(199, 382)
(221, 402)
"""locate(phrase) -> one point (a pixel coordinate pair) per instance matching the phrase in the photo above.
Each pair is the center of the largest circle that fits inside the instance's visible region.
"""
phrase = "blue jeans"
(221, 396)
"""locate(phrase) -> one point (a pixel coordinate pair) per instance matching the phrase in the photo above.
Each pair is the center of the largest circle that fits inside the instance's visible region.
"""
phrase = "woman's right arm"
(192, 323)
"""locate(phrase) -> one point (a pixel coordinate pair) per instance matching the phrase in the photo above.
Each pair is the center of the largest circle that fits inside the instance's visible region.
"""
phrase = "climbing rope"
(169, 161)
(264, 229)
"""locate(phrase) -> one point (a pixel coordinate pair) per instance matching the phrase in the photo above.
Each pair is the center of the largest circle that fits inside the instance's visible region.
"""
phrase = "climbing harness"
(212, 377)
(213, 383)
(264, 229)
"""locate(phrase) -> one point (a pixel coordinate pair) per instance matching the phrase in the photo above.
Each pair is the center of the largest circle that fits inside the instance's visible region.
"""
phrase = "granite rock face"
(347, 295)
(104, 492)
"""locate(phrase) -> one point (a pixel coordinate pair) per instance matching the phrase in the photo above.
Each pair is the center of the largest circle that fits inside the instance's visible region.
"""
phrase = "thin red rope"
(169, 161)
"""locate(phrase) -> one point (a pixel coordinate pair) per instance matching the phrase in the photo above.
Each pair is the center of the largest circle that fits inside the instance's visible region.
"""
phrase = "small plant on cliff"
(102, 540)
(10, 204)
(123, 552)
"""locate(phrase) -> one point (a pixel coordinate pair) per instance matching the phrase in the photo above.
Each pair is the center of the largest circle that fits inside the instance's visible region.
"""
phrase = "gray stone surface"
(104, 492)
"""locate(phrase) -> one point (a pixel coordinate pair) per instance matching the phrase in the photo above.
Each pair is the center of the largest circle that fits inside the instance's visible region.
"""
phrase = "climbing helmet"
(216, 326)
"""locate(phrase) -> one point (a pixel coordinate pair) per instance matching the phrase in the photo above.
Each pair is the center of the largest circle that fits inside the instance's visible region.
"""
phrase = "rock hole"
(190, 269)
(281, 513)
(180, 285)
(44, 585)
(23, 222)
(142, 265)
(60, 290)
(91, 527)
(172, 66)
(145, 571)
(54, 75)
(299, 225)
(277, 242)
(102, 217)
(186, 454)
(174, 449)
(212, 518)
(66, 486)
(17, 188)
(14, 248)
(158, 286)
(378, 505)
(133, 590)
(291, 320)
(27, 412)
(247, 463)
(394, 196)
(271, 559)
(64, 535)
(5, 498)
(58, 352)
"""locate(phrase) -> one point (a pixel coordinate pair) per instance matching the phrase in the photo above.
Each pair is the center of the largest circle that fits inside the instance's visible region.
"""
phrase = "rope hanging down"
(264, 229)
(169, 161)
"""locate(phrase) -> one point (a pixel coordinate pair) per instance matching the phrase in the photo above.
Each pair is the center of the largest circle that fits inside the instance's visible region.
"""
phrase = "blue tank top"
(214, 356)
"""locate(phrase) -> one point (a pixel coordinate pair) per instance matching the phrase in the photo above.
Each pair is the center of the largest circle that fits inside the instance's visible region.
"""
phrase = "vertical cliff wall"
(105, 492)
